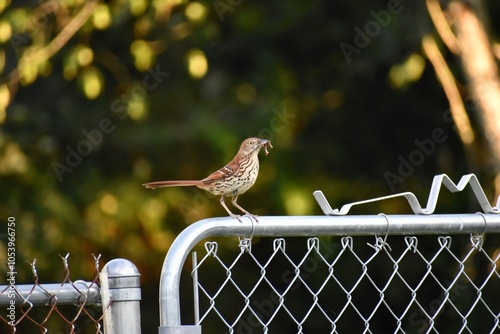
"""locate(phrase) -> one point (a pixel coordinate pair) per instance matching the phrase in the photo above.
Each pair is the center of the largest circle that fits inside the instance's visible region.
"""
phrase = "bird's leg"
(245, 242)
(223, 203)
(243, 210)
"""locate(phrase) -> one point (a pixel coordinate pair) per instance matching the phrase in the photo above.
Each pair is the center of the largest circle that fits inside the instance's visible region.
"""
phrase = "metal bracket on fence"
(380, 242)
(437, 182)
(120, 286)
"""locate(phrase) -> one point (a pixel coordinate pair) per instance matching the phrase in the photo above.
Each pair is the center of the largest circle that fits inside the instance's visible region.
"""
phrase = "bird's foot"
(236, 217)
(252, 216)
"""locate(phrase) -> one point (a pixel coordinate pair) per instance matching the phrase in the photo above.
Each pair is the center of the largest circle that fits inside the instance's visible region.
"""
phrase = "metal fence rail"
(380, 226)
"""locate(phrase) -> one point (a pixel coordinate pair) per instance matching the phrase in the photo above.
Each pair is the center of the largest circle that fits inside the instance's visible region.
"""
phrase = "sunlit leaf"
(196, 12)
(137, 105)
(80, 56)
(13, 160)
(92, 82)
(84, 55)
(297, 202)
(410, 71)
(101, 17)
(4, 4)
(163, 8)
(137, 7)
(28, 70)
(5, 31)
(109, 204)
(197, 63)
(45, 68)
(4, 102)
(19, 18)
(143, 54)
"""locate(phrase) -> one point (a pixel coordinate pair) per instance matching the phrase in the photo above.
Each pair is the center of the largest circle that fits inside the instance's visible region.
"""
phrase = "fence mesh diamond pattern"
(424, 284)
(66, 308)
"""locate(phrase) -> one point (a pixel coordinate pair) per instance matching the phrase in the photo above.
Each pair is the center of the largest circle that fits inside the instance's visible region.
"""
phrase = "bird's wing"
(222, 173)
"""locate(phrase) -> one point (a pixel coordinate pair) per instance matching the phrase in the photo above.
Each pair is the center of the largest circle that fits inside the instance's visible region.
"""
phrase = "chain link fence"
(338, 274)
(110, 303)
(107, 304)
(72, 307)
(404, 284)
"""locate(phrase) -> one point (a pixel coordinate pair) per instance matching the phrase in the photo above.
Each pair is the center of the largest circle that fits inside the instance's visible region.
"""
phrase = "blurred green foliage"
(147, 90)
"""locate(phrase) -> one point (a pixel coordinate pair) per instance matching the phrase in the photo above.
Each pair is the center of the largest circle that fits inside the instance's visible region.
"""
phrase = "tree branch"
(480, 66)
(447, 80)
(442, 26)
(33, 58)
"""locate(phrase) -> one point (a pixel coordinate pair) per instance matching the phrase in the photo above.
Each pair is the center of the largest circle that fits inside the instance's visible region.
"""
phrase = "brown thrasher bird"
(231, 180)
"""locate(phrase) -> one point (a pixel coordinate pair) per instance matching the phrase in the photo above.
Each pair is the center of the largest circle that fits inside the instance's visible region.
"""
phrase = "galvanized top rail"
(286, 226)
(78, 292)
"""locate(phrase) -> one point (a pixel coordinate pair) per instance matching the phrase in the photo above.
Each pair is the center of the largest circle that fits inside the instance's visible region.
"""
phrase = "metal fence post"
(120, 286)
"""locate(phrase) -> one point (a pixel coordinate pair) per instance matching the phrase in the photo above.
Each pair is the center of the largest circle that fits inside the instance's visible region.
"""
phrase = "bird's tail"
(161, 184)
